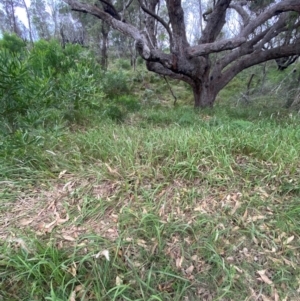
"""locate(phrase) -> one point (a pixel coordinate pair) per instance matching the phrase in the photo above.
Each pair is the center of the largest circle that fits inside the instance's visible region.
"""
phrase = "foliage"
(12, 43)
(187, 204)
(17, 88)
(115, 84)
(50, 85)
(50, 59)
(124, 64)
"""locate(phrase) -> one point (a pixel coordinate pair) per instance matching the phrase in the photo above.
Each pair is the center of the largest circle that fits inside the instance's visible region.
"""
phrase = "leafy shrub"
(124, 64)
(115, 84)
(17, 88)
(51, 85)
(140, 61)
(118, 108)
(48, 58)
(12, 43)
(47, 85)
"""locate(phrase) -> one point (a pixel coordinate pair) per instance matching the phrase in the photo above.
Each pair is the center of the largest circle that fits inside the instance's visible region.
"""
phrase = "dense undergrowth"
(109, 192)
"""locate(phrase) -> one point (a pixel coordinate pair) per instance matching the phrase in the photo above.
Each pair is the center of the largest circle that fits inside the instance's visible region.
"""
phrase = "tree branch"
(274, 10)
(176, 17)
(239, 9)
(125, 28)
(258, 57)
(275, 30)
(160, 69)
(246, 48)
(218, 46)
(215, 22)
(110, 9)
(158, 18)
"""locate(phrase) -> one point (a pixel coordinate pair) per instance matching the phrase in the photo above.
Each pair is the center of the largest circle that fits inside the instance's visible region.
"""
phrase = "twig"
(170, 88)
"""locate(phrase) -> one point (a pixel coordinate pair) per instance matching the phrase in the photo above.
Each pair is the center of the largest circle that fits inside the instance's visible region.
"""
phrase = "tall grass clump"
(153, 210)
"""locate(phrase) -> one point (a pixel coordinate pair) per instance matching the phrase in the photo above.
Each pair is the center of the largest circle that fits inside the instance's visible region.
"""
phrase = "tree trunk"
(104, 55)
(14, 25)
(204, 95)
(29, 21)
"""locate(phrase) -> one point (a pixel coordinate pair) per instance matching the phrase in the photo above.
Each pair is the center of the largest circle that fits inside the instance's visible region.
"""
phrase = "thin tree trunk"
(29, 22)
(104, 56)
(15, 29)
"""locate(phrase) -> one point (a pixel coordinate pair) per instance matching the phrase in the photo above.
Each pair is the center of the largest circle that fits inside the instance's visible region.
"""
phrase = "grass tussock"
(168, 205)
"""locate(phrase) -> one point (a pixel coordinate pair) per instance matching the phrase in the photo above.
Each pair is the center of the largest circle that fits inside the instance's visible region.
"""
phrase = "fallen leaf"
(115, 217)
(141, 243)
(25, 222)
(104, 253)
(48, 226)
(68, 186)
(68, 238)
(238, 269)
(154, 247)
(111, 170)
(119, 281)
(264, 277)
(288, 262)
(179, 262)
(73, 269)
(290, 239)
(62, 220)
(78, 288)
(190, 269)
(162, 210)
(72, 296)
(276, 296)
(194, 257)
(200, 208)
(166, 287)
(237, 206)
(62, 173)
(257, 217)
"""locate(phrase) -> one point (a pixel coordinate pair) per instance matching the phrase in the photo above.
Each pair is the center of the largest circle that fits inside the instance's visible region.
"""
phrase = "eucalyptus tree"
(41, 19)
(8, 17)
(216, 59)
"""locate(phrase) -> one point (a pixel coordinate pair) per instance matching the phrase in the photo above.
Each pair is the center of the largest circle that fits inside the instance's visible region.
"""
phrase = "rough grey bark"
(253, 44)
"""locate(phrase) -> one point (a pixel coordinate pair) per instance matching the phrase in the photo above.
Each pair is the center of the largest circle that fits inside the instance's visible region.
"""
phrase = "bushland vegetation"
(112, 189)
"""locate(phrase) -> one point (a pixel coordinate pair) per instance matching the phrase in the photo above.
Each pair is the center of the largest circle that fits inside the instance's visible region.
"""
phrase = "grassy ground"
(169, 205)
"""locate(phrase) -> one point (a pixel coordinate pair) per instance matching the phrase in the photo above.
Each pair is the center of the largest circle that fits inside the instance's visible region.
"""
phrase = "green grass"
(109, 191)
(189, 206)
